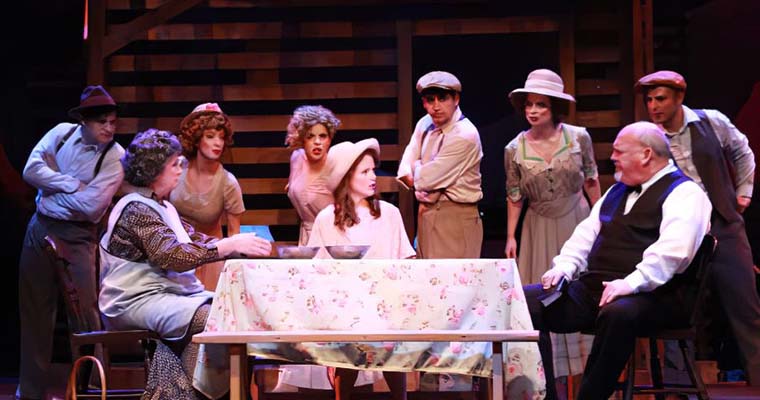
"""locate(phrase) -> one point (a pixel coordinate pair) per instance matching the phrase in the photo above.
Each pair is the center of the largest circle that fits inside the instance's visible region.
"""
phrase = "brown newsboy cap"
(439, 79)
(670, 79)
(92, 97)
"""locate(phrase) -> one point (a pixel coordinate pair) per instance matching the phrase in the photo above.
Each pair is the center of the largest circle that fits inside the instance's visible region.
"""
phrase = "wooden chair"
(659, 388)
(83, 339)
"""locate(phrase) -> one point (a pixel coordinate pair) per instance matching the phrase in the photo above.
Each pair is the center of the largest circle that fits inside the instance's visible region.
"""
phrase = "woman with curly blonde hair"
(207, 194)
(310, 133)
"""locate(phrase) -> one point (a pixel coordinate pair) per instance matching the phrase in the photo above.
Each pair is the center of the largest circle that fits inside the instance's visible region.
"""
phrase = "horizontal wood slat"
(469, 26)
(605, 181)
(270, 30)
(150, 4)
(261, 123)
(276, 155)
(597, 22)
(252, 60)
(602, 151)
(286, 216)
(601, 54)
(597, 87)
(598, 119)
(385, 184)
(301, 91)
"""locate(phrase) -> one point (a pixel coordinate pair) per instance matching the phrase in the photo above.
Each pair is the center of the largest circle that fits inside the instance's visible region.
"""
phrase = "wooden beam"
(602, 150)
(598, 119)
(261, 123)
(567, 59)
(123, 34)
(300, 91)
(630, 56)
(473, 26)
(277, 155)
(269, 30)
(287, 216)
(385, 184)
(647, 65)
(96, 26)
(404, 113)
(597, 87)
(597, 54)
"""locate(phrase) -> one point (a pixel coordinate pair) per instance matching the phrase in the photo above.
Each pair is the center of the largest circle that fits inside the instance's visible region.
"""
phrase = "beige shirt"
(448, 159)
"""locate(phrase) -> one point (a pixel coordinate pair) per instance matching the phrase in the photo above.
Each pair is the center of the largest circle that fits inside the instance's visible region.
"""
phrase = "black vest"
(714, 169)
(622, 237)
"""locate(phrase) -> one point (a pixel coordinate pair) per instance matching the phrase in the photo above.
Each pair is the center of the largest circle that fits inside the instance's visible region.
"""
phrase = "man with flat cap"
(76, 170)
(442, 165)
(709, 149)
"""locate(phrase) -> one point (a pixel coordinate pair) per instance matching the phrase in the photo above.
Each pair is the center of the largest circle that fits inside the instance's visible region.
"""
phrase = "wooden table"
(408, 315)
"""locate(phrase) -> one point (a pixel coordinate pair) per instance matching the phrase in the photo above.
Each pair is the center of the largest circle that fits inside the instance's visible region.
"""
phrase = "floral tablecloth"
(455, 294)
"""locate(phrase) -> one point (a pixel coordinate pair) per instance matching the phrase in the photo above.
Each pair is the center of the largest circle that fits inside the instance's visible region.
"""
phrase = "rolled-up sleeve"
(736, 147)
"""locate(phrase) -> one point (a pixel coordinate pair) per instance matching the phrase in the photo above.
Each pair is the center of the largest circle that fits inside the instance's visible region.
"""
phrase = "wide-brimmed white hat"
(541, 81)
(341, 156)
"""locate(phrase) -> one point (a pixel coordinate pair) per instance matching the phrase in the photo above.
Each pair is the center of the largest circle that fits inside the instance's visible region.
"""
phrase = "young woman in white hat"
(358, 216)
(207, 193)
(551, 164)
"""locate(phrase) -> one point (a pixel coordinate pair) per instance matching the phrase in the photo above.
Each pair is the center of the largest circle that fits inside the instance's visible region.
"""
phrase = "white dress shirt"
(64, 178)
(685, 221)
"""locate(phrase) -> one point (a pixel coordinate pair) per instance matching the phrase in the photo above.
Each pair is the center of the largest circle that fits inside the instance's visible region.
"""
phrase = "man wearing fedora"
(709, 149)
(441, 164)
(76, 170)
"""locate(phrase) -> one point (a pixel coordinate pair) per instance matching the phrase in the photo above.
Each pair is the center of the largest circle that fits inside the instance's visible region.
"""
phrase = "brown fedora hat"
(92, 97)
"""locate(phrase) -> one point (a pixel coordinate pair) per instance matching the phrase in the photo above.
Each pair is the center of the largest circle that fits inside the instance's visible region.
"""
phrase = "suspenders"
(102, 155)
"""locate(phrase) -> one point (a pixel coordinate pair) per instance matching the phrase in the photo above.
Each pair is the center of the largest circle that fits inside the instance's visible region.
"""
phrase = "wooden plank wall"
(260, 68)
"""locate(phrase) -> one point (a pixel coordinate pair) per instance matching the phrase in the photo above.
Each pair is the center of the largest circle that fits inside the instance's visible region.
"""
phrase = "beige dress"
(309, 196)
(203, 209)
(554, 194)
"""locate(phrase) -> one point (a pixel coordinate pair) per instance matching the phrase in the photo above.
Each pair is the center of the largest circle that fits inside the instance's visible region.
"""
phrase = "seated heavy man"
(624, 262)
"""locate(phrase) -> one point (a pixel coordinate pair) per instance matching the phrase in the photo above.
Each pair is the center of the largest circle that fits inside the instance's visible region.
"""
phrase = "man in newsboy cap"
(76, 170)
(441, 164)
(709, 149)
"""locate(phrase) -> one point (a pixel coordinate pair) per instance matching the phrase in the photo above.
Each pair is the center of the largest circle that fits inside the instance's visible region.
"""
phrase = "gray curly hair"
(147, 154)
(304, 117)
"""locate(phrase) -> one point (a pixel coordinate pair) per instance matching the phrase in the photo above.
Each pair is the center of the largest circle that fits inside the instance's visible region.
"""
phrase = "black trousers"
(616, 326)
(734, 281)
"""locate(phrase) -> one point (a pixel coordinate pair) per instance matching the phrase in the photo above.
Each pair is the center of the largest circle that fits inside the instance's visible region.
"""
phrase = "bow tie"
(629, 189)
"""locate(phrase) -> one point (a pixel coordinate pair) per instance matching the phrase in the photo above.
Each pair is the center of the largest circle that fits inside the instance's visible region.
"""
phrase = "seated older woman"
(148, 257)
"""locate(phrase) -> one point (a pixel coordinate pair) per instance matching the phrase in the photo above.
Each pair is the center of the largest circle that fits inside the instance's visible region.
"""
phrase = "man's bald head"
(639, 151)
